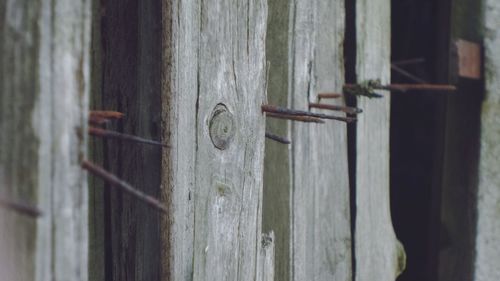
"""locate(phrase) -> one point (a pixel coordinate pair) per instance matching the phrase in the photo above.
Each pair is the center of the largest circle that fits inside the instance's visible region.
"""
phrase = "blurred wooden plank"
(378, 253)
(488, 205)
(457, 175)
(44, 88)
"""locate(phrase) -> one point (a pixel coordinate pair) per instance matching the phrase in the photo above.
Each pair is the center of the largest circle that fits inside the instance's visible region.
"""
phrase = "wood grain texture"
(488, 224)
(265, 266)
(277, 212)
(44, 88)
(320, 223)
(378, 254)
(127, 73)
(306, 199)
(215, 54)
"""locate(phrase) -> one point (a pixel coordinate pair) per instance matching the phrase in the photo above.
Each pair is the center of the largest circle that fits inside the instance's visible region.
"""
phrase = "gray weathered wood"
(320, 190)
(214, 53)
(277, 211)
(265, 266)
(306, 199)
(44, 86)
(378, 254)
(488, 225)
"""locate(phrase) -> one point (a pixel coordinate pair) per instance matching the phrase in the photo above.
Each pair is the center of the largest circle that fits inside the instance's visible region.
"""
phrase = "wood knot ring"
(222, 127)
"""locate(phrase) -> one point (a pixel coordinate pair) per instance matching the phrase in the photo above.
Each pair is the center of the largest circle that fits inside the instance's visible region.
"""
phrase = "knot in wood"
(222, 127)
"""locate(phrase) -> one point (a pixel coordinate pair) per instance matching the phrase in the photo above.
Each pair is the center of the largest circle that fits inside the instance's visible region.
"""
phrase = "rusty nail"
(112, 134)
(99, 117)
(409, 61)
(124, 186)
(307, 119)
(19, 207)
(418, 87)
(276, 138)
(408, 87)
(346, 109)
(329, 96)
(286, 111)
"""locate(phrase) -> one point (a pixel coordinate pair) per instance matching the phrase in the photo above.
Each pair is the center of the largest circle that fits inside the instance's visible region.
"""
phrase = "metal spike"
(112, 134)
(276, 138)
(286, 111)
(124, 186)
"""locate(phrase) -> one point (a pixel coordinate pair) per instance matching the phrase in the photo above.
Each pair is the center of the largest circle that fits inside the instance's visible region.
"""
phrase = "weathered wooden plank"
(320, 188)
(44, 88)
(19, 145)
(488, 223)
(307, 205)
(378, 254)
(459, 174)
(127, 72)
(214, 55)
(277, 213)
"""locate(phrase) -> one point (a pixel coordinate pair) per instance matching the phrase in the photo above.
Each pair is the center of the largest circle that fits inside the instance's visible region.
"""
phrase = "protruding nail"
(112, 134)
(407, 74)
(124, 186)
(287, 111)
(99, 117)
(329, 96)
(307, 119)
(367, 88)
(21, 208)
(409, 61)
(276, 138)
(418, 87)
(346, 109)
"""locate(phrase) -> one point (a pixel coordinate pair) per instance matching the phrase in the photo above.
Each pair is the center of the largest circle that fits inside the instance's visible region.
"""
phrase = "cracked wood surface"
(307, 205)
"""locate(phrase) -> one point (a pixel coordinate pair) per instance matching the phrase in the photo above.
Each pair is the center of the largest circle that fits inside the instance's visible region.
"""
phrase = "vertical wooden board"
(277, 212)
(69, 69)
(128, 59)
(217, 209)
(19, 145)
(488, 223)
(320, 200)
(459, 176)
(97, 203)
(181, 24)
(378, 254)
(44, 91)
